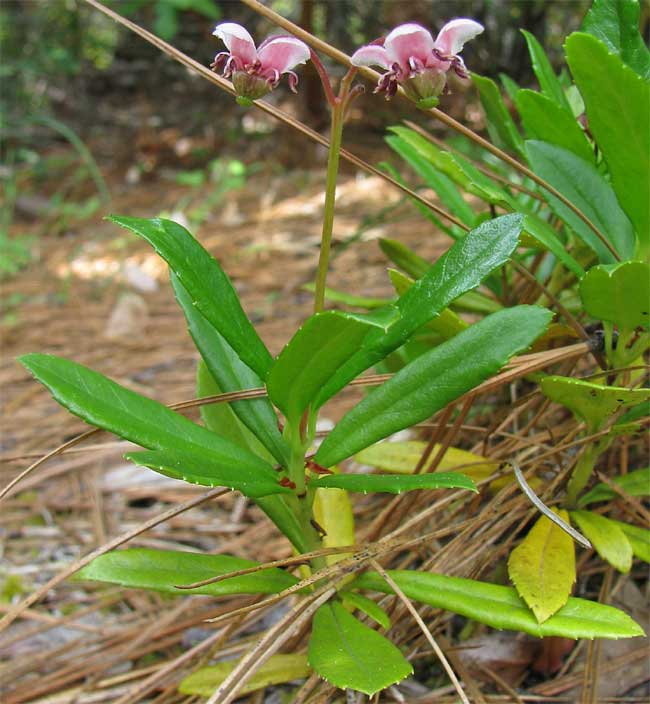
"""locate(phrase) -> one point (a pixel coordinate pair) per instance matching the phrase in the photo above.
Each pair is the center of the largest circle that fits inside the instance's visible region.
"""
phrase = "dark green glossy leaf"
(501, 607)
(548, 81)
(195, 470)
(616, 23)
(165, 570)
(349, 655)
(501, 127)
(587, 189)
(609, 541)
(636, 483)
(617, 102)
(546, 236)
(103, 403)
(278, 669)
(207, 285)
(395, 483)
(545, 120)
(434, 379)
(322, 344)
(459, 270)
(231, 374)
(619, 294)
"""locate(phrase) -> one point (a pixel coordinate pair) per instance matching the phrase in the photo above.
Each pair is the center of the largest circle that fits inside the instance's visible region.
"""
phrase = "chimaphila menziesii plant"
(417, 63)
(299, 486)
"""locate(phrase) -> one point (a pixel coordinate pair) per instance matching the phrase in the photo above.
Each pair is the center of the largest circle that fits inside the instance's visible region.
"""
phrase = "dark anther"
(285, 481)
(316, 468)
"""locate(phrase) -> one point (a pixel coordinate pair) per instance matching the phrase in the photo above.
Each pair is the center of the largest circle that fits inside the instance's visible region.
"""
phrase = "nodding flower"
(257, 71)
(415, 61)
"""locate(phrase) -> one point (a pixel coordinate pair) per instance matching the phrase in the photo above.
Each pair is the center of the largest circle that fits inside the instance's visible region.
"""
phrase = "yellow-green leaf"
(402, 458)
(278, 669)
(333, 513)
(609, 541)
(542, 567)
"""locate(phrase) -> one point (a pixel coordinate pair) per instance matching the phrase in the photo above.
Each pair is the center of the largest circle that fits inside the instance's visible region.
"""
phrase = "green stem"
(582, 471)
(336, 134)
(301, 504)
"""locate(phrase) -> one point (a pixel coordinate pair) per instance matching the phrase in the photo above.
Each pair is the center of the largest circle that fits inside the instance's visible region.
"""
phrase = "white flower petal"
(454, 34)
(238, 41)
(371, 55)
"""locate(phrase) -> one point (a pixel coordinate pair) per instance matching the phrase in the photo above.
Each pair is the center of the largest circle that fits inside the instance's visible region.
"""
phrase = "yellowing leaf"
(333, 512)
(278, 669)
(543, 567)
(402, 458)
(609, 541)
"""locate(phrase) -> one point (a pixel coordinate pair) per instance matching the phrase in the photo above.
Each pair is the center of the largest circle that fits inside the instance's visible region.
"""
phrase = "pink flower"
(417, 62)
(256, 71)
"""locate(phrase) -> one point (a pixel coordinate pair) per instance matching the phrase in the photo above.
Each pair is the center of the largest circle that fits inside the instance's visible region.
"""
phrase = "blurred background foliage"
(82, 97)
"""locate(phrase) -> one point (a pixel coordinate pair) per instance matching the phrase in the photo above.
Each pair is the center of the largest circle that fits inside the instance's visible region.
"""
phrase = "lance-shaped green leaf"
(440, 182)
(617, 102)
(206, 283)
(199, 470)
(616, 23)
(456, 167)
(165, 570)
(459, 270)
(321, 345)
(501, 126)
(587, 189)
(635, 483)
(609, 541)
(548, 81)
(278, 669)
(368, 606)
(434, 379)
(446, 324)
(221, 419)
(350, 655)
(592, 403)
(546, 236)
(619, 294)
(501, 607)
(231, 374)
(545, 120)
(394, 483)
(106, 404)
(543, 567)
(639, 539)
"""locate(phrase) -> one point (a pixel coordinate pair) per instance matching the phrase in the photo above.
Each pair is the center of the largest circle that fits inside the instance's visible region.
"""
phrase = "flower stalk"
(338, 105)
